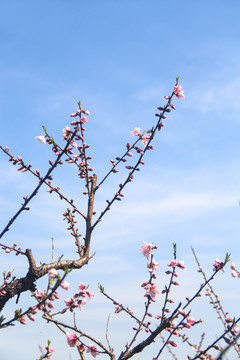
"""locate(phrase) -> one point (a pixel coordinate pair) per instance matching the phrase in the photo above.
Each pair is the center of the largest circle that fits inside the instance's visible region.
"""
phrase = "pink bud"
(85, 112)
(182, 312)
(64, 285)
(52, 273)
(78, 112)
(173, 343)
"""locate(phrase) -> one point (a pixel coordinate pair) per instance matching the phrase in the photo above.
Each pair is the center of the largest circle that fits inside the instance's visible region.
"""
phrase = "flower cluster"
(73, 340)
(73, 136)
(78, 300)
(152, 289)
(173, 321)
(178, 92)
(144, 138)
(218, 265)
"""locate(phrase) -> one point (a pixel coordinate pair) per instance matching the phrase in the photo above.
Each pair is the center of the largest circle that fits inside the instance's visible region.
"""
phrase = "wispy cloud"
(208, 96)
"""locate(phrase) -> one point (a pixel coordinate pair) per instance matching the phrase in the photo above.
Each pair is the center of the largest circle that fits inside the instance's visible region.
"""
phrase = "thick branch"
(139, 348)
(89, 216)
(26, 283)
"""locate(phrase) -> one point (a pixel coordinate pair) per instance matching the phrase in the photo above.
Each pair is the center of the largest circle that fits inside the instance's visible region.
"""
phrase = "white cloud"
(209, 96)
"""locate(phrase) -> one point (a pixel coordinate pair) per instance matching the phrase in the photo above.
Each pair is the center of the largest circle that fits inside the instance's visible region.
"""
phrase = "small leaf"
(2, 318)
(227, 258)
(45, 129)
(52, 141)
(101, 288)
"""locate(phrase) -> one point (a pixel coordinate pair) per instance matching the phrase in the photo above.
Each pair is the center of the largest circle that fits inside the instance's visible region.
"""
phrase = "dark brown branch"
(139, 348)
(83, 334)
(89, 215)
(26, 283)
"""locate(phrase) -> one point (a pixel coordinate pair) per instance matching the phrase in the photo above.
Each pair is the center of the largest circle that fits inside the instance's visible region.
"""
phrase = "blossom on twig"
(41, 138)
(93, 350)
(72, 339)
(146, 249)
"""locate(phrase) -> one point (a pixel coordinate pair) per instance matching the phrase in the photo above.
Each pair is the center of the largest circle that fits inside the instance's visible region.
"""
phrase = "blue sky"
(120, 58)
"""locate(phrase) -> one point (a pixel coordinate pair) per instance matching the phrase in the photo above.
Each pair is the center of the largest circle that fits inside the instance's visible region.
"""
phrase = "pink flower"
(180, 264)
(82, 287)
(72, 339)
(152, 290)
(69, 302)
(232, 266)
(153, 266)
(218, 265)
(135, 132)
(235, 329)
(66, 132)
(93, 350)
(50, 350)
(84, 120)
(145, 139)
(52, 273)
(146, 249)
(234, 273)
(178, 92)
(177, 89)
(64, 285)
(190, 320)
(41, 138)
(173, 263)
(89, 294)
(180, 96)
